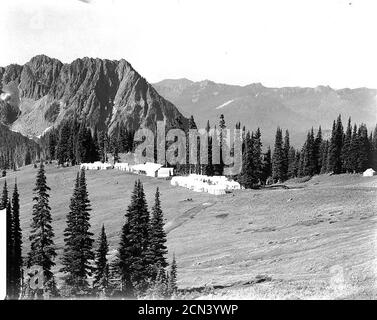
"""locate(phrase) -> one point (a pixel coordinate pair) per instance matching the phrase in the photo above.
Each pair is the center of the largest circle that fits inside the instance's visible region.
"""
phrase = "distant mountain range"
(294, 108)
(44, 91)
(40, 94)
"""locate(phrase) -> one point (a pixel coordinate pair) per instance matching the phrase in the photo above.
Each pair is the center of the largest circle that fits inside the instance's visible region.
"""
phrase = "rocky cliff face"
(44, 91)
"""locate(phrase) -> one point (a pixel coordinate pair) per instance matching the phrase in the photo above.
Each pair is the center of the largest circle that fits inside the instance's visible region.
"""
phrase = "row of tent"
(149, 169)
(98, 165)
(216, 185)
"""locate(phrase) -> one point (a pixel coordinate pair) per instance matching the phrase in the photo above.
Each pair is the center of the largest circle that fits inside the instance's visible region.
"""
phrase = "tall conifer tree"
(42, 250)
(17, 244)
(101, 275)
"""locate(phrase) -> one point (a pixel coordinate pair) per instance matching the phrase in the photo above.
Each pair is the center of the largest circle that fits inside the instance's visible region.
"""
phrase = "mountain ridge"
(44, 91)
(255, 105)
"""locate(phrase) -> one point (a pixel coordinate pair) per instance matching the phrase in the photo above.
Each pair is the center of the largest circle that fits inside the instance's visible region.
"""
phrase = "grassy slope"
(318, 240)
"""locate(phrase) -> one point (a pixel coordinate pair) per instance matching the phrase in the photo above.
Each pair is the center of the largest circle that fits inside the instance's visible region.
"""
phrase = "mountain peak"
(103, 92)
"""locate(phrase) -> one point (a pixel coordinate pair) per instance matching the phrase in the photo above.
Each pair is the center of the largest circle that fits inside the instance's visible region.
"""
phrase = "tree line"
(73, 142)
(139, 268)
(16, 150)
(352, 150)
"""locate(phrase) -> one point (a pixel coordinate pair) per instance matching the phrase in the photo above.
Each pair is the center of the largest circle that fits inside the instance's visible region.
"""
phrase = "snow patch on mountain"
(225, 104)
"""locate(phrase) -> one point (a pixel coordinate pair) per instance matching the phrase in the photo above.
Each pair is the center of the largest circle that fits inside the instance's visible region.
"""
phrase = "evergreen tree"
(267, 165)
(354, 151)
(308, 155)
(158, 248)
(222, 143)
(101, 275)
(324, 153)
(17, 244)
(374, 149)
(135, 243)
(9, 252)
(124, 259)
(42, 251)
(52, 146)
(335, 147)
(246, 177)
(172, 281)
(257, 156)
(278, 158)
(292, 163)
(78, 240)
(364, 149)
(346, 149)
(215, 153)
(4, 197)
(286, 147)
(317, 151)
(64, 144)
(208, 169)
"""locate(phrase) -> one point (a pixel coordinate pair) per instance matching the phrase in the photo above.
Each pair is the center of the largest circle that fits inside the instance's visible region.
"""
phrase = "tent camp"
(122, 166)
(149, 169)
(200, 183)
(98, 165)
(152, 169)
(369, 173)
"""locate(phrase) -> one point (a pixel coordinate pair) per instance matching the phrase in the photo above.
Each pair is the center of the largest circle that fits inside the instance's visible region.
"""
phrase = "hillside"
(44, 91)
(316, 239)
(294, 108)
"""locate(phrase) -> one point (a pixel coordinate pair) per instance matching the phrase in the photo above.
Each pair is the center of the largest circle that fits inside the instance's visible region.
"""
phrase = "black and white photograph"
(155, 151)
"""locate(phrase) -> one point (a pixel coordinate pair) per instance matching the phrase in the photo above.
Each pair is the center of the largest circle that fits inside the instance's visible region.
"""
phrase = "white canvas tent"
(369, 173)
(200, 183)
(122, 166)
(98, 165)
(165, 172)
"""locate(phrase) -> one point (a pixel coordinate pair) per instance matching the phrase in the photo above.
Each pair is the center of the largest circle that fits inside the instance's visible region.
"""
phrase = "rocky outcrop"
(103, 92)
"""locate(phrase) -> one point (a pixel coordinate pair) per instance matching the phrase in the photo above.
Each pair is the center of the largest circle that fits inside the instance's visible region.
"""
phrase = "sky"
(278, 43)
